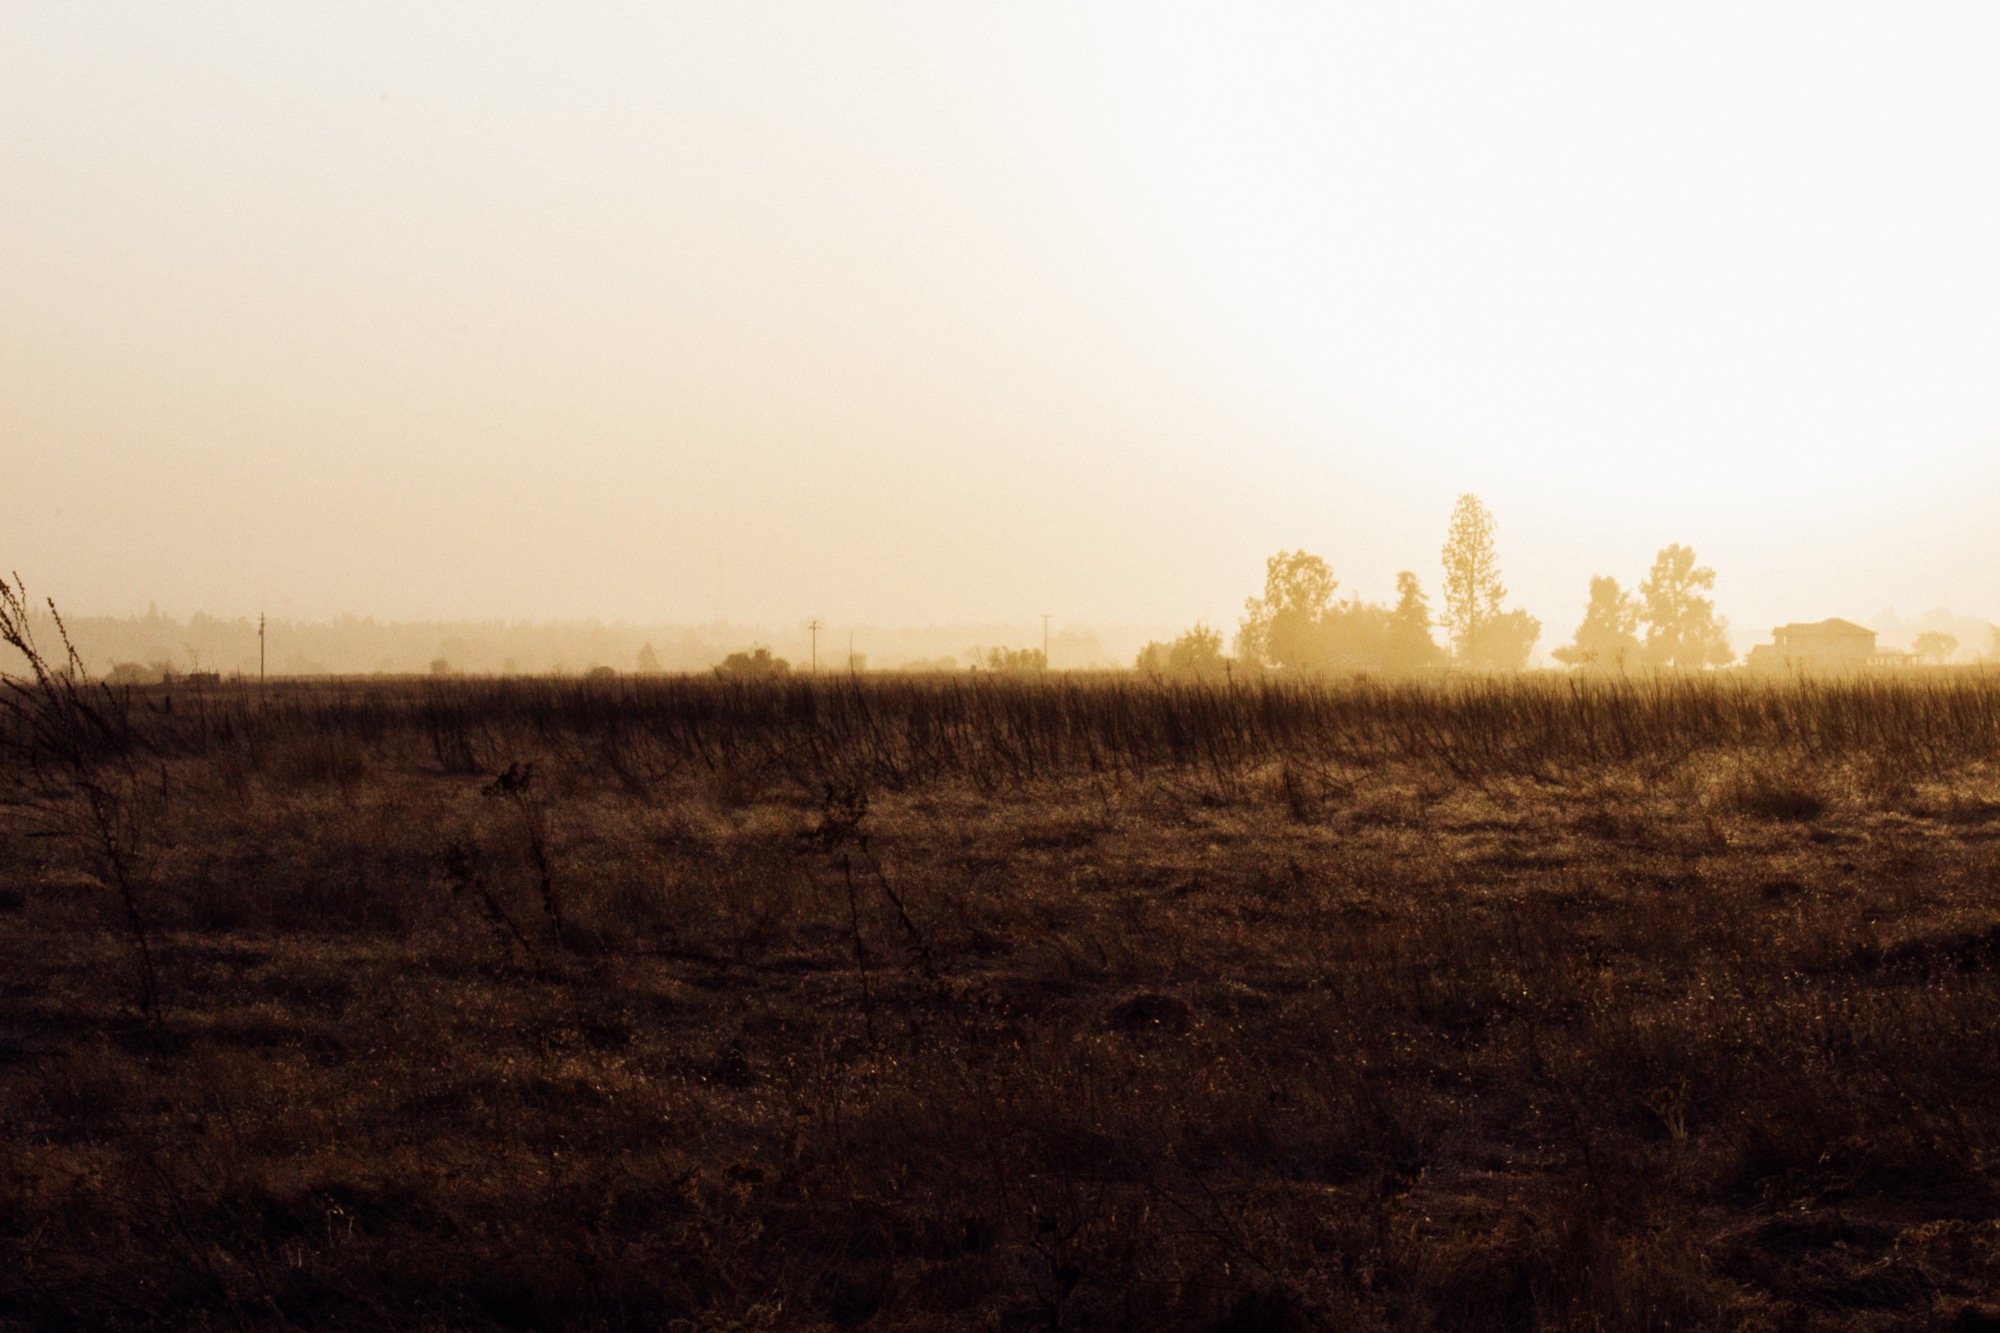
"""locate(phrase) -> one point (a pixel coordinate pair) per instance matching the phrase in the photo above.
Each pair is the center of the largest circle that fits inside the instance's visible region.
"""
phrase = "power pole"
(814, 627)
(1045, 641)
(260, 647)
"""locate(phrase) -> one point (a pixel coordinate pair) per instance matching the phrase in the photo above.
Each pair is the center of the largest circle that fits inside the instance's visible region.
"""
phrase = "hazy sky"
(930, 312)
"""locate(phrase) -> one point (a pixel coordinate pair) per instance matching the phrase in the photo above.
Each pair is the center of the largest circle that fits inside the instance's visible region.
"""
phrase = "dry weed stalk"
(72, 745)
(460, 866)
(839, 835)
(512, 786)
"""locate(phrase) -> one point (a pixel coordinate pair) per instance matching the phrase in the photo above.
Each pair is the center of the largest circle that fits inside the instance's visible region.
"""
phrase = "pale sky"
(915, 313)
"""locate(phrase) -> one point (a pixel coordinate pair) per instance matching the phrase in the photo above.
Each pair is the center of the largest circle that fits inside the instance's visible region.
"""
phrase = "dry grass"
(1021, 1005)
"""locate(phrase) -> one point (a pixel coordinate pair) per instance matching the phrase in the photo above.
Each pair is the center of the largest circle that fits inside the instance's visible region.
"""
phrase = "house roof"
(1833, 626)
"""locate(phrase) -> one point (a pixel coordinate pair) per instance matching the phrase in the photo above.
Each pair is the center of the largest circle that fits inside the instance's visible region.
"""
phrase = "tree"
(1472, 588)
(1279, 628)
(1682, 630)
(1482, 635)
(1351, 636)
(131, 673)
(757, 664)
(1504, 642)
(1410, 646)
(1196, 654)
(1934, 646)
(1016, 660)
(1608, 638)
(648, 661)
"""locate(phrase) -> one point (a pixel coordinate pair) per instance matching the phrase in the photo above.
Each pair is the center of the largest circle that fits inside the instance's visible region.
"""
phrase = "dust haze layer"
(890, 315)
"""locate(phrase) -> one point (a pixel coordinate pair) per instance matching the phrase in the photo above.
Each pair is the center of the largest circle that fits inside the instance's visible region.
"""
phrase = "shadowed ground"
(1077, 1004)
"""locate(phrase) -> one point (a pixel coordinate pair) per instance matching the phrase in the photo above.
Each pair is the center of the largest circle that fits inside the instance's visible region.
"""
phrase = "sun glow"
(1588, 240)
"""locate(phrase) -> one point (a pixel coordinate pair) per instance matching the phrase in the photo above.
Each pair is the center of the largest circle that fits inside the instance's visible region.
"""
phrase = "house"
(1827, 645)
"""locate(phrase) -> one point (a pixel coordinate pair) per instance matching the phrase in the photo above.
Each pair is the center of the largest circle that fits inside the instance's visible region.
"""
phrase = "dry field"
(991, 1004)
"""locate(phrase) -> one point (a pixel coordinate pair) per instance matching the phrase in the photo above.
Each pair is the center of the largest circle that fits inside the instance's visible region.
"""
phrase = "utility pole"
(814, 627)
(260, 647)
(1045, 641)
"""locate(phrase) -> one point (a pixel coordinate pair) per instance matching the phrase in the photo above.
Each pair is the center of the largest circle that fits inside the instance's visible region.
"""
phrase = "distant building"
(1828, 645)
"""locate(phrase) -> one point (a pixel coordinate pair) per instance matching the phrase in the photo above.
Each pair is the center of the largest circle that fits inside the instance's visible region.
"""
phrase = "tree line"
(1298, 624)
